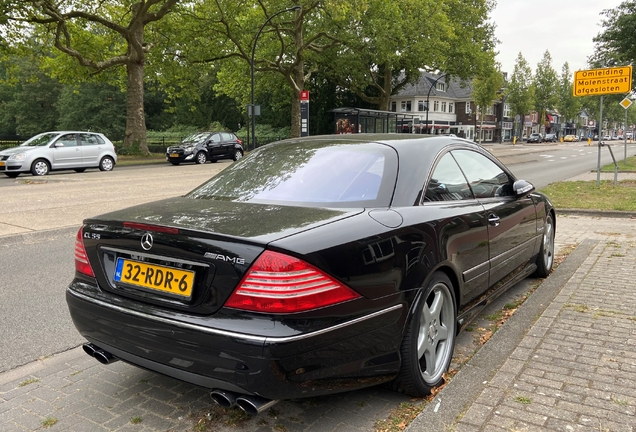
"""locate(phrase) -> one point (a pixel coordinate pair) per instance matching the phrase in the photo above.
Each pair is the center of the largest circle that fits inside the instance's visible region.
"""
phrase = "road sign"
(625, 103)
(598, 82)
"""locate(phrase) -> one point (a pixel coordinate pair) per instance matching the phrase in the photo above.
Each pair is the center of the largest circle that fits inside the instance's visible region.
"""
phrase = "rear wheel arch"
(454, 278)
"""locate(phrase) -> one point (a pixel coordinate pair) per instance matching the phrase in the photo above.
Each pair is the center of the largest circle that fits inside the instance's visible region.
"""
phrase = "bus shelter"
(362, 120)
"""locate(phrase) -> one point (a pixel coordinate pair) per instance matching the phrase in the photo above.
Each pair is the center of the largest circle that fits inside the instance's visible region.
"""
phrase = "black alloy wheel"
(201, 158)
(545, 259)
(429, 341)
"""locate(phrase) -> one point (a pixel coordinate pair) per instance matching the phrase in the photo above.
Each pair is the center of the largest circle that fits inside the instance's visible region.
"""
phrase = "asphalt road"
(552, 164)
(34, 319)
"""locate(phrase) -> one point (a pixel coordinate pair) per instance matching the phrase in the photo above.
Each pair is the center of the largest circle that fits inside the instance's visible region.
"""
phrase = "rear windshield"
(309, 174)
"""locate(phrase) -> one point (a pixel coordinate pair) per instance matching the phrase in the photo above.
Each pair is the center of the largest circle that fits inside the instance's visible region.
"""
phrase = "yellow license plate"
(168, 280)
(1, 163)
(174, 154)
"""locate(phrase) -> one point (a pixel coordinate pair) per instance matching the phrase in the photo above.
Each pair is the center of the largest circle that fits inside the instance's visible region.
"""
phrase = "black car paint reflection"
(405, 240)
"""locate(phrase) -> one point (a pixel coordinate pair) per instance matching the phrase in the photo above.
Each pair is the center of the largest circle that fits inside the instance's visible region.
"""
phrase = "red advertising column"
(304, 113)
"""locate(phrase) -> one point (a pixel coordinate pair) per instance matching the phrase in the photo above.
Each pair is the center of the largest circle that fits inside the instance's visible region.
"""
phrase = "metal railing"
(598, 173)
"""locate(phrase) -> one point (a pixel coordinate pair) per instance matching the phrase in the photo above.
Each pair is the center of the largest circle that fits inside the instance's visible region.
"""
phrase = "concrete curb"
(597, 213)
(38, 236)
(459, 394)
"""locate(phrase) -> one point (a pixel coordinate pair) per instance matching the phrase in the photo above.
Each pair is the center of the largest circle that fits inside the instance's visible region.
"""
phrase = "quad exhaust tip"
(251, 404)
(99, 354)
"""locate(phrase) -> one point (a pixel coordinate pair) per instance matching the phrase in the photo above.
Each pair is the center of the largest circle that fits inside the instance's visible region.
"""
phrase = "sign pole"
(625, 137)
(304, 113)
(600, 135)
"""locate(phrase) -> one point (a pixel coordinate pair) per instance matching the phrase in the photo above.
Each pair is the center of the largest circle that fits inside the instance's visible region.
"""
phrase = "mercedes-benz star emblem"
(146, 241)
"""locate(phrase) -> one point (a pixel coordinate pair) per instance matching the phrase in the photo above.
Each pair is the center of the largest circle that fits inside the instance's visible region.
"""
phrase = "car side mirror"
(522, 188)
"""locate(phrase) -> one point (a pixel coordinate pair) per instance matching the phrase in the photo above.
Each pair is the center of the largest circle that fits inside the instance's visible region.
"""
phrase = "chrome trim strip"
(153, 256)
(217, 332)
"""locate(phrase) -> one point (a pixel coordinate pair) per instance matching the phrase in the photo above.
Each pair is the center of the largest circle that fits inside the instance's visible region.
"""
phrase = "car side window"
(89, 140)
(486, 178)
(227, 137)
(216, 138)
(447, 182)
(68, 140)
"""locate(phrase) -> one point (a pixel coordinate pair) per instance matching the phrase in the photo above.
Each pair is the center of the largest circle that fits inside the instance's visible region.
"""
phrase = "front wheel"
(429, 341)
(201, 158)
(79, 170)
(40, 167)
(12, 174)
(106, 164)
(545, 259)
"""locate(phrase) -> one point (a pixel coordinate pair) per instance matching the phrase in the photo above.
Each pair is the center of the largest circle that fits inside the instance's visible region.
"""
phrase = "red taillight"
(239, 141)
(81, 260)
(278, 283)
(154, 228)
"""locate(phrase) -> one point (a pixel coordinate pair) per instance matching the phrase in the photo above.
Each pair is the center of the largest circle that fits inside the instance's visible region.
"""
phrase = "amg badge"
(234, 260)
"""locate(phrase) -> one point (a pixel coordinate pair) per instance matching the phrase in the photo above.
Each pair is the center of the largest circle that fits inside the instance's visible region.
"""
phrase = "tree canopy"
(91, 38)
(545, 87)
(519, 91)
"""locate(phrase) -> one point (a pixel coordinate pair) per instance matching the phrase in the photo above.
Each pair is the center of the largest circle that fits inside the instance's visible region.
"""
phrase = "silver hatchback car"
(60, 150)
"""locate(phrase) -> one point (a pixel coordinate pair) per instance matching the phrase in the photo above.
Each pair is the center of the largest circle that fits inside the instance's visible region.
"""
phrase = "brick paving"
(575, 370)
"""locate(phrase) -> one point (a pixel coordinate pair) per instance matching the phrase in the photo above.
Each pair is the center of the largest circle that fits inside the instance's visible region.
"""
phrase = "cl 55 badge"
(233, 260)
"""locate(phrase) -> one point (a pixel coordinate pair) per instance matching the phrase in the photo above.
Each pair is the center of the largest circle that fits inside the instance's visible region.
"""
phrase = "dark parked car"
(550, 138)
(312, 266)
(206, 146)
(535, 138)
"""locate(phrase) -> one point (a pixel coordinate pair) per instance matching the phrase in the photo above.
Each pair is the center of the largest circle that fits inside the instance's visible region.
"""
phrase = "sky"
(563, 27)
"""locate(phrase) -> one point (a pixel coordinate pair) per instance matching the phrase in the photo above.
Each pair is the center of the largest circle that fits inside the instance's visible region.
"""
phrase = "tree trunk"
(387, 87)
(295, 110)
(135, 137)
(135, 120)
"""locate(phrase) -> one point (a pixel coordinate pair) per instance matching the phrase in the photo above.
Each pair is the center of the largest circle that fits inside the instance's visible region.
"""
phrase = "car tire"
(237, 155)
(429, 340)
(79, 170)
(106, 164)
(40, 167)
(12, 174)
(201, 158)
(214, 160)
(175, 163)
(545, 259)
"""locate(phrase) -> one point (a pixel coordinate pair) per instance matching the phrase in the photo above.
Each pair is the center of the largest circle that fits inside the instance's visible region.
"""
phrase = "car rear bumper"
(358, 353)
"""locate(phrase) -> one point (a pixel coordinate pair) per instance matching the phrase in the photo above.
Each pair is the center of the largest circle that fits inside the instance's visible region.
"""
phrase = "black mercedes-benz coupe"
(312, 266)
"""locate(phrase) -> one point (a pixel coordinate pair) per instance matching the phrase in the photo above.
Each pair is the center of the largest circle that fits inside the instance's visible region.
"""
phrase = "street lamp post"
(293, 8)
(427, 98)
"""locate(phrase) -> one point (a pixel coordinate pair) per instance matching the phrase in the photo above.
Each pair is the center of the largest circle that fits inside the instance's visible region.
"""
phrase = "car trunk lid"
(189, 254)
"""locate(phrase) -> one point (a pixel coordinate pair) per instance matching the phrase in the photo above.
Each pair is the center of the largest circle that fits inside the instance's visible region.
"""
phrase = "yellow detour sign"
(602, 81)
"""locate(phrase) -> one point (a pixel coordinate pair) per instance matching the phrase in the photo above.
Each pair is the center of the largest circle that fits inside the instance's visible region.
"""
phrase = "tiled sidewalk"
(575, 367)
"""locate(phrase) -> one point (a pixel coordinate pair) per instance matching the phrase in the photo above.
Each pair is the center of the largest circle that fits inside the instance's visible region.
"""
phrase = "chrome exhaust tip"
(90, 349)
(104, 357)
(254, 405)
(226, 399)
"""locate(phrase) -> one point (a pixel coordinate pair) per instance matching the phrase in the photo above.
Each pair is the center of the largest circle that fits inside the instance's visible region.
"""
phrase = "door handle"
(493, 219)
